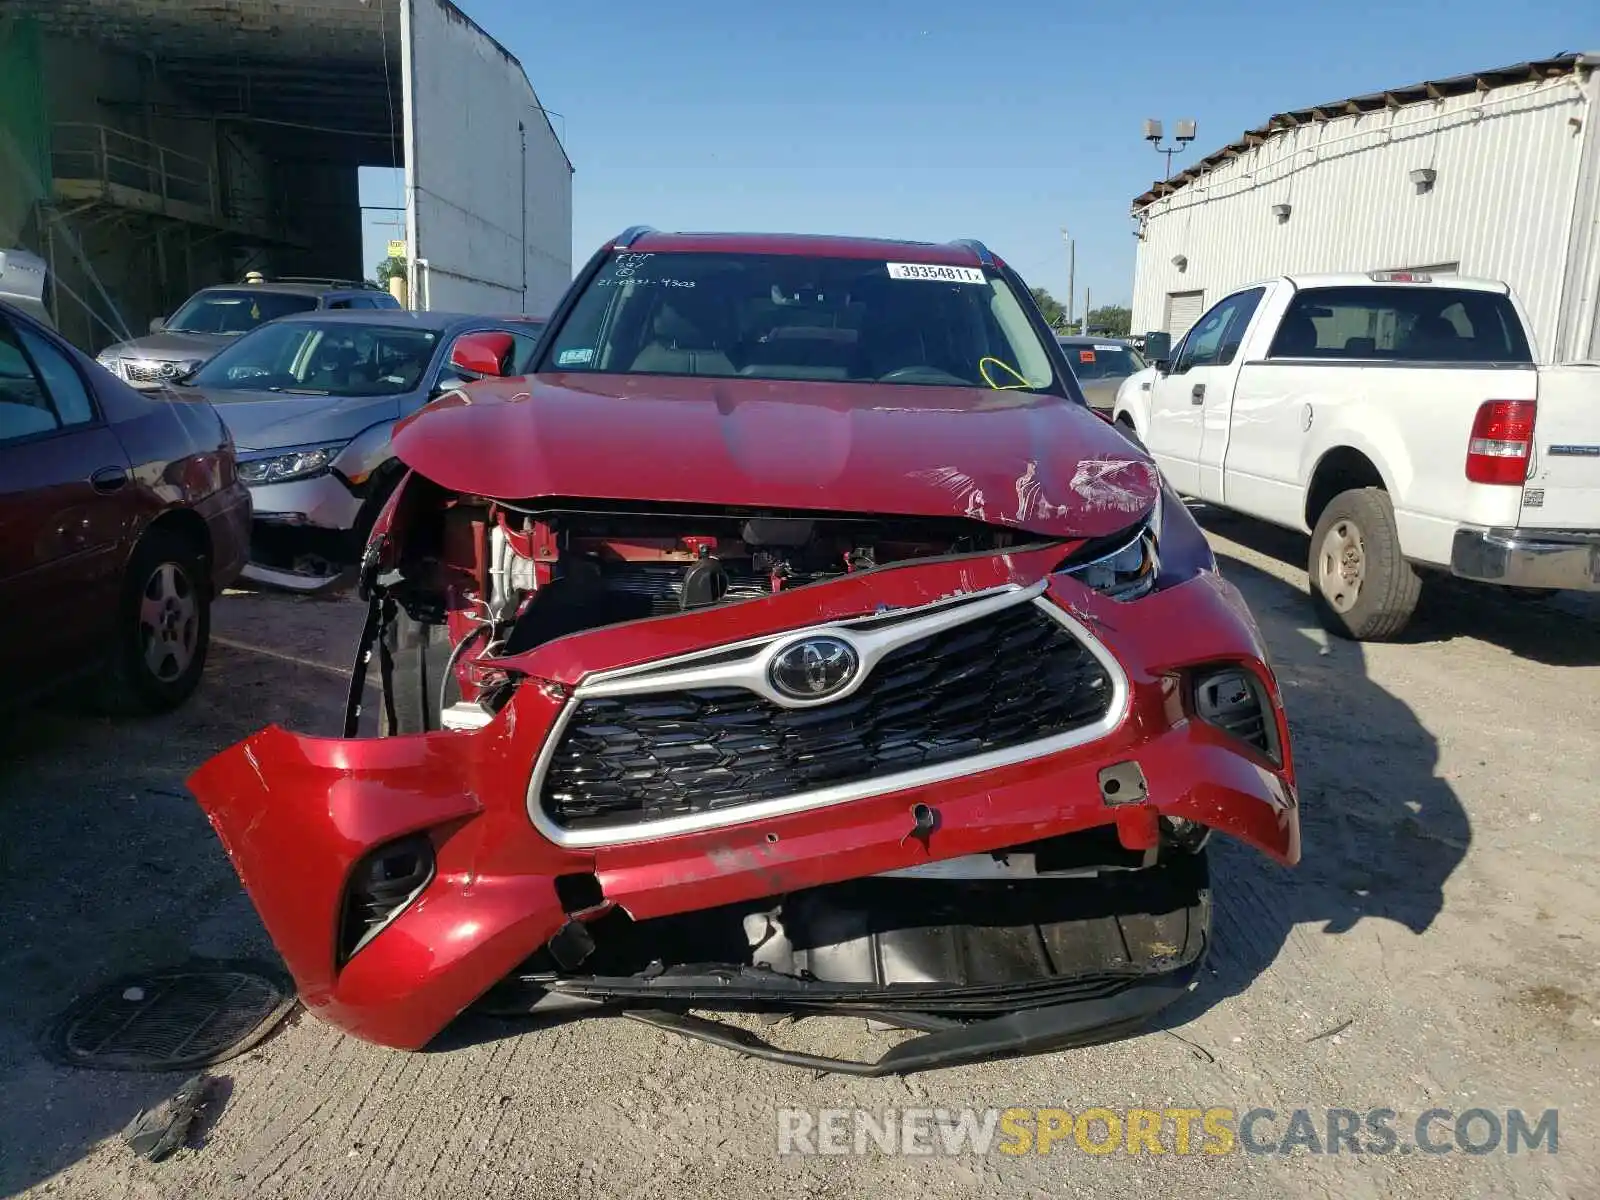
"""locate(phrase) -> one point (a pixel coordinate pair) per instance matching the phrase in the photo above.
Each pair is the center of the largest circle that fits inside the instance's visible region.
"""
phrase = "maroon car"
(792, 638)
(121, 514)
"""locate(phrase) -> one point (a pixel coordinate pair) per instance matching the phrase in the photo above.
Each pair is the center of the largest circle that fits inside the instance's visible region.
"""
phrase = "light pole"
(1072, 271)
(1152, 134)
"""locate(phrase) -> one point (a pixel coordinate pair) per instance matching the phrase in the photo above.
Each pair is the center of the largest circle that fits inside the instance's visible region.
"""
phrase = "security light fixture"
(1180, 261)
(1153, 135)
(1281, 211)
(1423, 177)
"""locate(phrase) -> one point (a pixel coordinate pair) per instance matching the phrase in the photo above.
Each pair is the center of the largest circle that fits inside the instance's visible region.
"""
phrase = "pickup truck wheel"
(1361, 585)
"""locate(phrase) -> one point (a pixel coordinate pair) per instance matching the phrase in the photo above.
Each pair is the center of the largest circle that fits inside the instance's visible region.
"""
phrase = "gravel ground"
(1442, 921)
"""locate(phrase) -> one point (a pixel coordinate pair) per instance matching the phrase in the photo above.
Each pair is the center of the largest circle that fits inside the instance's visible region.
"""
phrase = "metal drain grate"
(172, 1020)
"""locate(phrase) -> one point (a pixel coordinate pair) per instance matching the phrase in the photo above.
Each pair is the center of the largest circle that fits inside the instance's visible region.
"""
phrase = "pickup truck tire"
(1362, 587)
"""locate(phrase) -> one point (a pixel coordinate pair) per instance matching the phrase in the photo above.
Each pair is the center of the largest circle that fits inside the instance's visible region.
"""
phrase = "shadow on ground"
(1561, 631)
(1381, 832)
(108, 866)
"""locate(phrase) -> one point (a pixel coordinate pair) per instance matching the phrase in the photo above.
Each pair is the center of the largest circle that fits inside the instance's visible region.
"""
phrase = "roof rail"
(348, 283)
(630, 235)
(977, 248)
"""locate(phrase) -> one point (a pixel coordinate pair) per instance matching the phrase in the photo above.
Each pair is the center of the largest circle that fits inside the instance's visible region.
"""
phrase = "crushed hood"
(1034, 462)
(269, 420)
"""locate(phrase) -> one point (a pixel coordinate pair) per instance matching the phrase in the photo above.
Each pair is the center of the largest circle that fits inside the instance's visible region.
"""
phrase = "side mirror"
(482, 355)
(1158, 347)
(157, 324)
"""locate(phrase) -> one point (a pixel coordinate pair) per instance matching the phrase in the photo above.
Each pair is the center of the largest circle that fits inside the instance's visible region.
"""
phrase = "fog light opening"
(1233, 700)
(381, 886)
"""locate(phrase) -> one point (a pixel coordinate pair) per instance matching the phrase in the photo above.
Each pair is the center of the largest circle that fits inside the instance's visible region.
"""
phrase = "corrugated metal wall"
(1502, 205)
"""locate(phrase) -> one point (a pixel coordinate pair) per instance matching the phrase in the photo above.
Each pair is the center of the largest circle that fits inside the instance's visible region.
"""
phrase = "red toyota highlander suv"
(793, 638)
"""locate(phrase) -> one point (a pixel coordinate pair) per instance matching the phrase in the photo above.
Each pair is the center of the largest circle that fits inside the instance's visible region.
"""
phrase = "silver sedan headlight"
(303, 463)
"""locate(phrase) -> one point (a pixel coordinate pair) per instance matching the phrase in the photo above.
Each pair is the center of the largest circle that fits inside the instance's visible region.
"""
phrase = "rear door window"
(1402, 324)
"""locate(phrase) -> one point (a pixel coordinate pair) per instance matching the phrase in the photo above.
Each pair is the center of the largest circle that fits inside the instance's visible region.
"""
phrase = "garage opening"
(148, 149)
(1183, 309)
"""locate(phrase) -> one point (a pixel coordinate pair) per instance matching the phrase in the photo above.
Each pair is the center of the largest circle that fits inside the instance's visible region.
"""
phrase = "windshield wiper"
(301, 391)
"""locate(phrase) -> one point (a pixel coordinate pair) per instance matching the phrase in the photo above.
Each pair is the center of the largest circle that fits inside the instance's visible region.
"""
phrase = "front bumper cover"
(296, 814)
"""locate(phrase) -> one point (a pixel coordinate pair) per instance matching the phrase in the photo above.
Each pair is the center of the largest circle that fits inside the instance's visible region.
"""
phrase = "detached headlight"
(291, 464)
(1126, 571)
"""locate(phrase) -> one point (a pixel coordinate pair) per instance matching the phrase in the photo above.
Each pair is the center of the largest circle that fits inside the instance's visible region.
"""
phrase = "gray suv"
(212, 317)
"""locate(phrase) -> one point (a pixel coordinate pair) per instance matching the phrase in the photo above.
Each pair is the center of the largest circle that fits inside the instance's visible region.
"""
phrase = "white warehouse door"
(488, 185)
(1183, 310)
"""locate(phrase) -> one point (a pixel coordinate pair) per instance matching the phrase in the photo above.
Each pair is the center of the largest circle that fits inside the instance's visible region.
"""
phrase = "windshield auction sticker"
(936, 272)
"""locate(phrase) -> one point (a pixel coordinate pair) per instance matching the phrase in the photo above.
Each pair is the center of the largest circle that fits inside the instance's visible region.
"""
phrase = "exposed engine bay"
(504, 577)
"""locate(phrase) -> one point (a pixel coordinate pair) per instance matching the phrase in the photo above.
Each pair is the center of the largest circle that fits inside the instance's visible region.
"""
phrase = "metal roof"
(1416, 93)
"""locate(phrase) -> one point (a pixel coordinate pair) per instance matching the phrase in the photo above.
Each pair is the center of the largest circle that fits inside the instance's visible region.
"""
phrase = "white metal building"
(1492, 174)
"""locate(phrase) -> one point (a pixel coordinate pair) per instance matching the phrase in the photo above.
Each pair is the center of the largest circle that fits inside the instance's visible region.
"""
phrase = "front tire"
(419, 653)
(1362, 587)
(163, 628)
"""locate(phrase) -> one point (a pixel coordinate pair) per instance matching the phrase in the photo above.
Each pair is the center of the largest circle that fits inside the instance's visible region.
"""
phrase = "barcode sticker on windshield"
(936, 272)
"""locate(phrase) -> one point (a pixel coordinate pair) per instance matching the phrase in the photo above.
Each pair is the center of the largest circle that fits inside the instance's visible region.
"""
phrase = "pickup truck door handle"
(1198, 394)
(108, 479)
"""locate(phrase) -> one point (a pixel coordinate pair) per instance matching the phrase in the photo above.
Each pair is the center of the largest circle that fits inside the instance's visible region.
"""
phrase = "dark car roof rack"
(365, 285)
(632, 234)
(977, 248)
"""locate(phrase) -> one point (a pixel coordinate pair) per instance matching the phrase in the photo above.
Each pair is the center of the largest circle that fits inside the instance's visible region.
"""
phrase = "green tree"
(1049, 307)
(1113, 319)
(389, 268)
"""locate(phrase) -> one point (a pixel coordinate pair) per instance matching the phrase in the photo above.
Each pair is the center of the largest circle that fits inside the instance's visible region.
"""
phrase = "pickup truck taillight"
(1502, 441)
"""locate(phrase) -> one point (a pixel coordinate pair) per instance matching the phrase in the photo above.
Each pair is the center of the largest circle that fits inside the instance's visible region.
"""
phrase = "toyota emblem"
(169, 370)
(814, 668)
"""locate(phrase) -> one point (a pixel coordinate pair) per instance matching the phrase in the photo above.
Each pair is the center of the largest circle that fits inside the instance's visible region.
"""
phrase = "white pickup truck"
(1399, 419)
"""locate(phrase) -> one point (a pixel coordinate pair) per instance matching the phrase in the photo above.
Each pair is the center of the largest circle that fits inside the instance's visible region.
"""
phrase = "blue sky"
(999, 120)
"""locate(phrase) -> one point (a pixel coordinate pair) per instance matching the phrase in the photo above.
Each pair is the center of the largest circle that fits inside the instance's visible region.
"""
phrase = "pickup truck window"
(1402, 324)
(1216, 336)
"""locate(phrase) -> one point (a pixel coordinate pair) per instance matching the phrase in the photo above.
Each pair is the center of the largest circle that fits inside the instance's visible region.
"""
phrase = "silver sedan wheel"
(1342, 565)
(169, 622)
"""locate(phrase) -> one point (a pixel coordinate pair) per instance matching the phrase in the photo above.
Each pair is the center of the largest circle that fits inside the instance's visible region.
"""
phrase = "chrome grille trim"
(730, 668)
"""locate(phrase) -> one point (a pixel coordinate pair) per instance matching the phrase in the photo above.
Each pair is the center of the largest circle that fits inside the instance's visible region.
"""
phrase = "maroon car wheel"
(165, 626)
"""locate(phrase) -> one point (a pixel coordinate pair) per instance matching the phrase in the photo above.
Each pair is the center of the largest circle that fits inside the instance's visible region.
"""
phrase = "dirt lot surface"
(1443, 920)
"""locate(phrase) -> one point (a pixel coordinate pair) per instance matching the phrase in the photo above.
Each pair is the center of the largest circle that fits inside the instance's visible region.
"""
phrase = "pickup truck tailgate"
(1563, 487)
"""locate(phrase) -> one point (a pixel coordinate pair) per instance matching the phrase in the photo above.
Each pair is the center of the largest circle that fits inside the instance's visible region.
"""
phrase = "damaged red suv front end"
(793, 639)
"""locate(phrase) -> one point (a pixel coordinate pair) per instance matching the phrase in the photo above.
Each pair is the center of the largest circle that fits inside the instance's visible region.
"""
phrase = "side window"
(61, 380)
(1215, 339)
(40, 390)
(24, 408)
(522, 356)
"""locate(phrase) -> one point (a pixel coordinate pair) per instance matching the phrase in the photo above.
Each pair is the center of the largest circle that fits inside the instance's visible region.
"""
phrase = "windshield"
(235, 312)
(323, 358)
(1102, 360)
(778, 316)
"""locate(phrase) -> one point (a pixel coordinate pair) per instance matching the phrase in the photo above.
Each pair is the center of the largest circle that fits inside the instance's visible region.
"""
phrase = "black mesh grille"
(996, 682)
